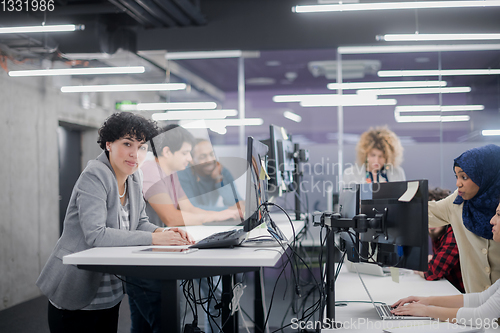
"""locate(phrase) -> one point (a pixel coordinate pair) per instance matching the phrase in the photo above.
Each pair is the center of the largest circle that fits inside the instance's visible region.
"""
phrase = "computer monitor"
(397, 228)
(281, 163)
(256, 183)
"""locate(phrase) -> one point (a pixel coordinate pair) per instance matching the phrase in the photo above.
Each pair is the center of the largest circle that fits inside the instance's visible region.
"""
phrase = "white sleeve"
(481, 305)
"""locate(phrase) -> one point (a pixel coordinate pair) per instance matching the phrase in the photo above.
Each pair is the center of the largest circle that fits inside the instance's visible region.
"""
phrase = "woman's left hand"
(172, 236)
(183, 233)
(411, 309)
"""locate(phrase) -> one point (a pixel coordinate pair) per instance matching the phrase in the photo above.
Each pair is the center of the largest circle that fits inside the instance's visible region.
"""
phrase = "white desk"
(349, 288)
(172, 267)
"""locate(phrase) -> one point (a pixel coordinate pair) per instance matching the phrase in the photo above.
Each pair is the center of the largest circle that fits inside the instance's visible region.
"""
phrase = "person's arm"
(420, 310)
(171, 236)
(94, 213)
(481, 306)
(439, 211)
(226, 190)
(454, 301)
(444, 260)
(194, 214)
(186, 215)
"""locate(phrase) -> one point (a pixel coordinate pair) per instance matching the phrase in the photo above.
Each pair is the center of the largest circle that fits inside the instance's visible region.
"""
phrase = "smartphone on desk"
(167, 250)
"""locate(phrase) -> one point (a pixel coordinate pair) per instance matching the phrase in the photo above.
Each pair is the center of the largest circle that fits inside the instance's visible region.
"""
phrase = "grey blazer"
(92, 220)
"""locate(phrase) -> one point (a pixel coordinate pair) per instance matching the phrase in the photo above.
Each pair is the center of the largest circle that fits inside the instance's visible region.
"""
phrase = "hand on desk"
(172, 236)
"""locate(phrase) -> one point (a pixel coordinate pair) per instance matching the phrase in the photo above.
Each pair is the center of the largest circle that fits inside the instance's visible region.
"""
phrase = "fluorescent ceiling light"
(437, 72)
(438, 108)
(313, 103)
(211, 54)
(79, 71)
(416, 48)
(125, 87)
(430, 119)
(319, 97)
(41, 28)
(490, 132)
(194, 114)
(414, 91)
(292, 116)
(312, 100)
(393, 5)
(222, 123)
(392, 84)
(169, 106)
(430, 37)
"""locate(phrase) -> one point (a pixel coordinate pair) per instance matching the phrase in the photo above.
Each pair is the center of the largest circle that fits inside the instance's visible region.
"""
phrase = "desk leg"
(170, 314)
(259, 306)
(229, 323)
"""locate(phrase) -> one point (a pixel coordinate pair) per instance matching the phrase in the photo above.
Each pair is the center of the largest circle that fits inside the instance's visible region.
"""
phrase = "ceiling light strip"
(194, 114)
(434, 37)
(414, 91)
(438, 108)
(315, 103)
(292, 116)
(211, 54)
(430, 119)
(392, 6)
(221, 123)
(437, 72)
(125, 87)
(169, 106)
(490, 132)
(41, 28)
(416, 48)
(387, 84)
(79, 71)
(320, 97)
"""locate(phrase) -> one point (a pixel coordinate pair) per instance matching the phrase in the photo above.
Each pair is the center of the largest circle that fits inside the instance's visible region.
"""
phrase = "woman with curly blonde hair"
(379, 154)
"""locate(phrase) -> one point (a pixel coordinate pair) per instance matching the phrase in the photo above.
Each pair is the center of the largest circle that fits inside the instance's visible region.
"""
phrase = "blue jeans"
(145, 304)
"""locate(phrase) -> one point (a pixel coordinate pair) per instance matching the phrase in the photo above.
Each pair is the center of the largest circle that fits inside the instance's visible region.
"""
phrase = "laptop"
(384, 310)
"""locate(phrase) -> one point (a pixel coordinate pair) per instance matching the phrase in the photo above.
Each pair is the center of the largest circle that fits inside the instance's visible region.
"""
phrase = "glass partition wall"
(438, 103)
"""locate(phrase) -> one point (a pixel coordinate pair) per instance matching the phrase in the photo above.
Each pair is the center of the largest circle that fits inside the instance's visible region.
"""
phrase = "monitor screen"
(256, 184)
(400, 239)
(280, 162)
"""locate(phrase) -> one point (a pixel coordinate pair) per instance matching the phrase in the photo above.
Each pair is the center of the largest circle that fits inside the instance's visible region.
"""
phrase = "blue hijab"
(482, 165)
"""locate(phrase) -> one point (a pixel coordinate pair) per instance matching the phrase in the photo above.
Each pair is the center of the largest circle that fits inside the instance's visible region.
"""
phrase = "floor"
(31, 316)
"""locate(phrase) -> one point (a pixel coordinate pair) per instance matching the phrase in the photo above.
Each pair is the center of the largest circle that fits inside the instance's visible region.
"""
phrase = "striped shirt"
(110, 290)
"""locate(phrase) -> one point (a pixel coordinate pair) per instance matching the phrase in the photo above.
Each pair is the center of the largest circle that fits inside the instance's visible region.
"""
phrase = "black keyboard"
(223, 239)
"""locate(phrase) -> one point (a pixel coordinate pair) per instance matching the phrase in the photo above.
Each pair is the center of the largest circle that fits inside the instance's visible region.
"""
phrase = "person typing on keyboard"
(207, 183)
(167, 203)
(475, 308)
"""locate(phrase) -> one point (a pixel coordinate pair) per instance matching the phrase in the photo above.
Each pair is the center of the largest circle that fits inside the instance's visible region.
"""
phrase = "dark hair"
(438, 194)
(123, 124)
(172, 136)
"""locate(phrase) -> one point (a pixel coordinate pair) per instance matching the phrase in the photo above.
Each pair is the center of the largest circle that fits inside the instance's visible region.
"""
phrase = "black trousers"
(83, 321)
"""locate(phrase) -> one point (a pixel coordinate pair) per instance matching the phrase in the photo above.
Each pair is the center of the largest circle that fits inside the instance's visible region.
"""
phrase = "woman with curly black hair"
(106, 208)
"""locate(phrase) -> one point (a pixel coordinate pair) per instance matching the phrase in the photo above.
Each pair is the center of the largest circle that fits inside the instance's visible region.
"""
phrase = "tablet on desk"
(167, 250)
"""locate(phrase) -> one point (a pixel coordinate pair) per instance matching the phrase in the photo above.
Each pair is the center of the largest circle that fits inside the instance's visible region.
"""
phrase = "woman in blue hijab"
(469, 210)
(482, 166)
